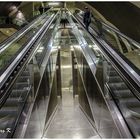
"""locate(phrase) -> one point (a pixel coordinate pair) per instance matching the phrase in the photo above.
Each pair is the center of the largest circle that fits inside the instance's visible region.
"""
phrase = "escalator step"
(25, 73)
(110, 67)
(130, 102)
(118, 86)
(17, 93)
(134, 124)
(6, 127)
(8, 112)
(6, 122)
(13, 101)
(113, 73)
(123, 93)
(135, 111)
(21, 85)
(23, 79)
(27, 76)
(114, 79)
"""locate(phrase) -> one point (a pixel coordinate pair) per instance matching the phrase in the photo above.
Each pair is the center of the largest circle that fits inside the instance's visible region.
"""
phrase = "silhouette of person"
(40, 9)
(87, 17)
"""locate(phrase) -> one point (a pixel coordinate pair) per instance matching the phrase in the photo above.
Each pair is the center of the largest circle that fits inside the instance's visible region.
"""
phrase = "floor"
(69, 121)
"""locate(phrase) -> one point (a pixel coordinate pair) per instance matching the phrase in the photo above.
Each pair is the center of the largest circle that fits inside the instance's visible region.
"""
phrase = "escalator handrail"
(6, 43)
(133, 76)
(116, 31)
(11, 67)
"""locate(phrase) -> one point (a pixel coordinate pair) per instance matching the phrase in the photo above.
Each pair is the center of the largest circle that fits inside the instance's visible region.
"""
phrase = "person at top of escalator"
(41, 9)
(63, 18)
(87, 17)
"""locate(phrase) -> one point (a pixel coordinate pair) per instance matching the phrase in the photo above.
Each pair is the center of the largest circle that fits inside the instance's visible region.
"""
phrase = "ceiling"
(5, 7)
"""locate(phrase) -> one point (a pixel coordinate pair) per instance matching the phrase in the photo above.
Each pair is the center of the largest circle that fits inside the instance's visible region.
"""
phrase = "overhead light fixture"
(71, 48)
(40, 49)
(53, 3)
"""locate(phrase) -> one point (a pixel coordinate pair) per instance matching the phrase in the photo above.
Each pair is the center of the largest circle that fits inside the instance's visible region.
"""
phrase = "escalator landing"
(69, 121)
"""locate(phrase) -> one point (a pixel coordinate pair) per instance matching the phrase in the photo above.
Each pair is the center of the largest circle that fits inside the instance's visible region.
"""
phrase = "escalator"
(70, 83)
(17, 92)
(118, 88)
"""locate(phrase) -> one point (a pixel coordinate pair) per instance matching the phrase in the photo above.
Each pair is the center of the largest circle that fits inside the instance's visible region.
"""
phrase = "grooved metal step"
(114, 79)
(25, 73)
(23, 79)
(112, 73)
(6, 111)
(17, 93)
(13, 101)
(125, 93)
(132, 102)
(6, 126)
(21, 85)
(118, 85)
(135, 111)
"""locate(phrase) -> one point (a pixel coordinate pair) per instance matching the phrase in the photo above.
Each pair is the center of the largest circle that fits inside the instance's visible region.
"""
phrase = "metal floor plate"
(69, 121)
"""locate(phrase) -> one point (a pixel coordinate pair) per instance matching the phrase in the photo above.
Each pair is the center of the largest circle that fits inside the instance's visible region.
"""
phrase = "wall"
(124, 15)
(27, 9)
